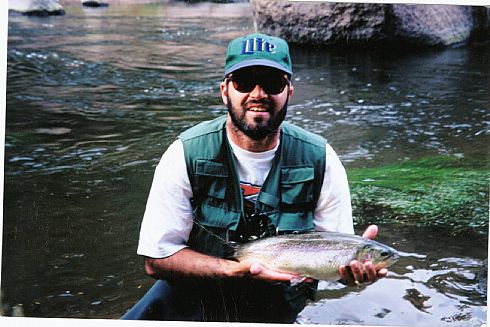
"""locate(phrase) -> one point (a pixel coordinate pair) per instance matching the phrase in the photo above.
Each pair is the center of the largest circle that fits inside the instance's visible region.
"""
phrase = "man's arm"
(188, 263)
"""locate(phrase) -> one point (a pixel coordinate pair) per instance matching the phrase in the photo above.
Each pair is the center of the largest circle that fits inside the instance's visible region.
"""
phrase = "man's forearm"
(188, 263)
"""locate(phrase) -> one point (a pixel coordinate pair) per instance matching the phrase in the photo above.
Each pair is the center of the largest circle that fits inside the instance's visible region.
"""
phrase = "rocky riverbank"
(36, 7)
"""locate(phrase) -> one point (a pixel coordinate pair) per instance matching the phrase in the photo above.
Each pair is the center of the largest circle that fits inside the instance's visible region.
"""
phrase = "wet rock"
(357, 23)
(36, 7)
(432, 24)
(94, 3)
(320, 22)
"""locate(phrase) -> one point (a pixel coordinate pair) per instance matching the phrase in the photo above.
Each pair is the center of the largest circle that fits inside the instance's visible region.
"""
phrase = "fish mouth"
(388, 261)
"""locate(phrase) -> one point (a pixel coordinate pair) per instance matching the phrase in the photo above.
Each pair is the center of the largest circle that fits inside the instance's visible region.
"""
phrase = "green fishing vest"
(288, 195)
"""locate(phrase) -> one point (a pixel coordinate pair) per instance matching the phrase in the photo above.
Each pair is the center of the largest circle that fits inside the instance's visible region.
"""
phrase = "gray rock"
(320, 22)
(358, 23)
(36, 7)
(432, 24)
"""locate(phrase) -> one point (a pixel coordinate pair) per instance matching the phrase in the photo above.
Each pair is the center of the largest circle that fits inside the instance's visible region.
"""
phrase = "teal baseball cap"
(258, 49)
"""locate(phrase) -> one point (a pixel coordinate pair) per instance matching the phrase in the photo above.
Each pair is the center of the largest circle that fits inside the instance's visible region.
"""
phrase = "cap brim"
(257, 62)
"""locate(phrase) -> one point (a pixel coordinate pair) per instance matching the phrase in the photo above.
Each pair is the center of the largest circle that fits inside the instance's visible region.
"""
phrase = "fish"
(317, 255)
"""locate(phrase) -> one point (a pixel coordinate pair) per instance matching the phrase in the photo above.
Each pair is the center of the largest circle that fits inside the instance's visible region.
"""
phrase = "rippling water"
(96, 96)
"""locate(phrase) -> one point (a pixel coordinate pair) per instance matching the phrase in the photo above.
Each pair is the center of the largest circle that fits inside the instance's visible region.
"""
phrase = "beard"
(261, 129)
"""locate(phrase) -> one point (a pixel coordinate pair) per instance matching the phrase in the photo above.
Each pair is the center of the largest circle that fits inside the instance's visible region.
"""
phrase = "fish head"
(379, 254)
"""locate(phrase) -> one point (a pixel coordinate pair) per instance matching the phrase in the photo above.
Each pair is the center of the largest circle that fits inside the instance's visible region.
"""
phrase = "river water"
(96, 96)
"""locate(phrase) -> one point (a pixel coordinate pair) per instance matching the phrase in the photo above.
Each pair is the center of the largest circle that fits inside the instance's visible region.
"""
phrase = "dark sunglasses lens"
(271, 84)
(243, 84)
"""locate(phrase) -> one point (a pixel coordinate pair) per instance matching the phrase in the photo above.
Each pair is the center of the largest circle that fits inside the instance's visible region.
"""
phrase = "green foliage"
(436, 191)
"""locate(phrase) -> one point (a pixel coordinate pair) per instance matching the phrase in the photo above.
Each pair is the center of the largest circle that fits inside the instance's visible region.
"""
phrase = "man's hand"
(357, 273)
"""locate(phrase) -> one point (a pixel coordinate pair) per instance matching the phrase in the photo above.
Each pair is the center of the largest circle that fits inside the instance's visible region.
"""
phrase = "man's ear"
(224, 91)
(291, 89)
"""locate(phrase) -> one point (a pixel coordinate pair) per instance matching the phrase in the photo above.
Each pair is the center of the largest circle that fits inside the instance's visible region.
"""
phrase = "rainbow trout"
(317, 255)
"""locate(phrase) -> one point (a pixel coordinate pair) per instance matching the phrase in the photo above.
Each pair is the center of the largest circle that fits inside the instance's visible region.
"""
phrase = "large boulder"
(357, 23)
(320, 22)
(36, 7)
(432, 24)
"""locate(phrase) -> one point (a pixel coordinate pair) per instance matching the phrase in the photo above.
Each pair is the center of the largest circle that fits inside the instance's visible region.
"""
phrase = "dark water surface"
(96, 96)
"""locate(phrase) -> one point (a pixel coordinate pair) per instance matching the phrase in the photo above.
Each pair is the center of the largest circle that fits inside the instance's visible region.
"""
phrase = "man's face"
(257, 99)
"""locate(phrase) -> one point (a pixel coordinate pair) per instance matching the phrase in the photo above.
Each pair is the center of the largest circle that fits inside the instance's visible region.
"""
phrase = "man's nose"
(258, 92)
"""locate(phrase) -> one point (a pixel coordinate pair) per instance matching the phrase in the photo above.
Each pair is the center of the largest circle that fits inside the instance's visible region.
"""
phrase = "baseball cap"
(258, 49)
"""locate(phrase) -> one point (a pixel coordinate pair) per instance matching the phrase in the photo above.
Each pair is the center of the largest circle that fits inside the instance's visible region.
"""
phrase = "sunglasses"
(245, 82)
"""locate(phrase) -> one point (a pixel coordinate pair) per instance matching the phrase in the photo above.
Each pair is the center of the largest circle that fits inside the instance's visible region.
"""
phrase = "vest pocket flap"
(211, 178)
(269, 199)
(211, 168)
(294, 175)
(297, 185)
(221, 217)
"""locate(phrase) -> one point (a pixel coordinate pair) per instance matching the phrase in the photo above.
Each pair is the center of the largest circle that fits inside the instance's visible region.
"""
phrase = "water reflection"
(395, 103)
(431, 286)
(95, 97)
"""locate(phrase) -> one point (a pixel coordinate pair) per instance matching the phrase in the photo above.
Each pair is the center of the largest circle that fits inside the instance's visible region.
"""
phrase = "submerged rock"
(36, 7)
(94, 3)
(357, 23)
(444, 192)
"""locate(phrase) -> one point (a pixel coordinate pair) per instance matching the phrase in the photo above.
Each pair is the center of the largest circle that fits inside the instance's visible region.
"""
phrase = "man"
(239, 177)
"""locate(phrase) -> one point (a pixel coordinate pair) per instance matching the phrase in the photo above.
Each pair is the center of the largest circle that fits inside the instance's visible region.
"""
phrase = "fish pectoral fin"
(297, 280)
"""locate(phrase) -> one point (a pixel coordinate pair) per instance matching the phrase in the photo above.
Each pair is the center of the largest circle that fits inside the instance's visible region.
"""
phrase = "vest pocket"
(211, 176)
(211, 183)
(297, 185)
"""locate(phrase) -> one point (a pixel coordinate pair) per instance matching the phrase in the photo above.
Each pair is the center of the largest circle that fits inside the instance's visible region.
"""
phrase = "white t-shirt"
(167, 221)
